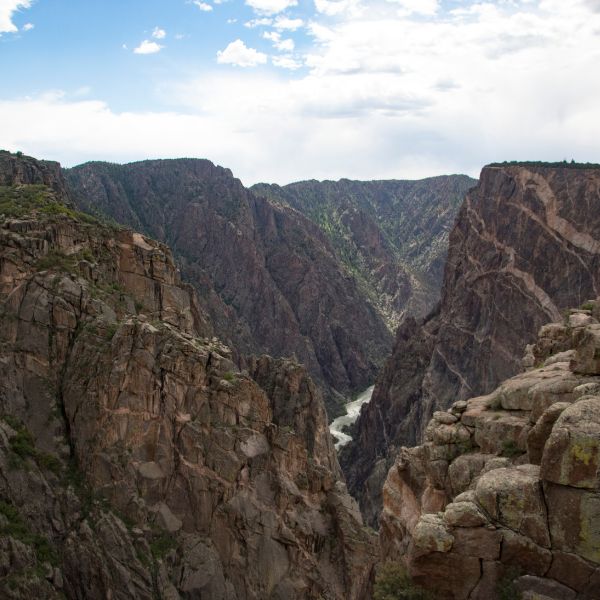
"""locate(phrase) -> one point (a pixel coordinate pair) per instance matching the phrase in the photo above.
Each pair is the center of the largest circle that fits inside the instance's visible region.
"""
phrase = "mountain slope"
(391, 235)
(136, 461)
(266, 275)
(526, 246)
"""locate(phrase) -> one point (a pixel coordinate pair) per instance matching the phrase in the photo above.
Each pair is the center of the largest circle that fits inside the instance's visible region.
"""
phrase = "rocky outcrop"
(17, 169)
(136, 460)
(267, 277)
(525, 247)
(504, 494)
(391, 235)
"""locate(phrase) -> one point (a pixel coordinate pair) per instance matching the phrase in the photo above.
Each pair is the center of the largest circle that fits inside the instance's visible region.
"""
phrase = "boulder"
(572, 453)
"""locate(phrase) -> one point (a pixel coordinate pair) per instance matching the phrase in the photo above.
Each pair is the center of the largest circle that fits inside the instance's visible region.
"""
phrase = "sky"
(285, 90)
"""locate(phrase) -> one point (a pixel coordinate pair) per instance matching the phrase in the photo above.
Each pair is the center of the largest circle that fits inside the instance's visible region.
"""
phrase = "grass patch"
(394, 583)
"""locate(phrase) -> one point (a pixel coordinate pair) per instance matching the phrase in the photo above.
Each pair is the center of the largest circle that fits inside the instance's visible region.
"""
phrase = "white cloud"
(286, 62)
(159, 34)
(385, 95)
(239, 55)
(270, 7)
(7, 10)
(286, 45)
(420, 7)
(28, 27)
(148, 47)
(203, 6)
(338, 7)
(262, 22)
(282, 22)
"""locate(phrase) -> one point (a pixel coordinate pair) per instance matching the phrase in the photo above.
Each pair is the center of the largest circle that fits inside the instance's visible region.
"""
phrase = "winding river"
(352, 412)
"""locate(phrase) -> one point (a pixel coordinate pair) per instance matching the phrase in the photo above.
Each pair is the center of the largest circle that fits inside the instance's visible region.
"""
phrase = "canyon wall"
(525, 247)
(503, 498)
(267, 276)
(136, 459)
(392, 235)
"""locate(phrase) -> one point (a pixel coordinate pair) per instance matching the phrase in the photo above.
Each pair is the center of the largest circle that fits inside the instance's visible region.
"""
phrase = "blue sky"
(281, 90)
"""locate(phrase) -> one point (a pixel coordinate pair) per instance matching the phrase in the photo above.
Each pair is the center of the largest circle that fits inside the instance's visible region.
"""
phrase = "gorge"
(163, 423)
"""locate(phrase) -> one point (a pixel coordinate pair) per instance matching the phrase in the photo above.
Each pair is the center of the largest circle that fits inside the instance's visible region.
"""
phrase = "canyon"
(164, 426)
(136, 459)
(525, 247)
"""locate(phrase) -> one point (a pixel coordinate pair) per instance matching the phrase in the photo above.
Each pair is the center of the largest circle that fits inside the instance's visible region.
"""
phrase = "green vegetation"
(111, 330)
(22, 446)
(394, 583)
(161, 544)
(588, 306)
(20, 200)
(229, 376)
(551, 165)
(57, 261)
(506, 588)
(510, 449)
(17, 528)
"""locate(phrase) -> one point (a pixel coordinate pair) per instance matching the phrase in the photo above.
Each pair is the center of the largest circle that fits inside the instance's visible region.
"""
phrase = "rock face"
(505, 492)
(268, 278)
(391, 235)
(18, 169)
(525, 247)
(136, 460)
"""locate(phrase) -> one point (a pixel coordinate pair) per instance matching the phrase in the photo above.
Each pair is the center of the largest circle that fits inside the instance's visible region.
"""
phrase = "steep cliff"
(267, 277)
(136, 461)
(391, 235)
(504, 495)
(526, 246)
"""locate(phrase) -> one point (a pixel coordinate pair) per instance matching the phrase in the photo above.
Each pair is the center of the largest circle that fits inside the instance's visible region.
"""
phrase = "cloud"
(282, 22)
(377, 94)
(159, 34)
(420, 7)
(270, 7)
(203, 6)
(286, 45)
(28, 27)
(239, 55)
(286, 62)
(264, 21)
(7, 10)
(148, 47)
(337, 7)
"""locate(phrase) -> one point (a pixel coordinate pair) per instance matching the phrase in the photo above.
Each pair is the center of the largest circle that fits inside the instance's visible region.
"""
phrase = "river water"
(352, 412)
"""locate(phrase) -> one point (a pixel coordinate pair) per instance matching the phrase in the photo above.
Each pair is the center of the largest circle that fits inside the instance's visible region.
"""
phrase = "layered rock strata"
(268, 278)
(525, 247)
(136, 460)
(504, 494)
(391, 235)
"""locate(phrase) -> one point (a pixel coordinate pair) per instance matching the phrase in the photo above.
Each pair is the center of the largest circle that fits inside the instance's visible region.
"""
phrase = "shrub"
(510, 449)
(57, 261)
(506, 588)
(17, 528)
(394, 583)
(161, 544)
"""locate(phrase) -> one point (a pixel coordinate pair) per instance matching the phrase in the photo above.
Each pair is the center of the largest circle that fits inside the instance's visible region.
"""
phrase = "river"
(352, 412)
